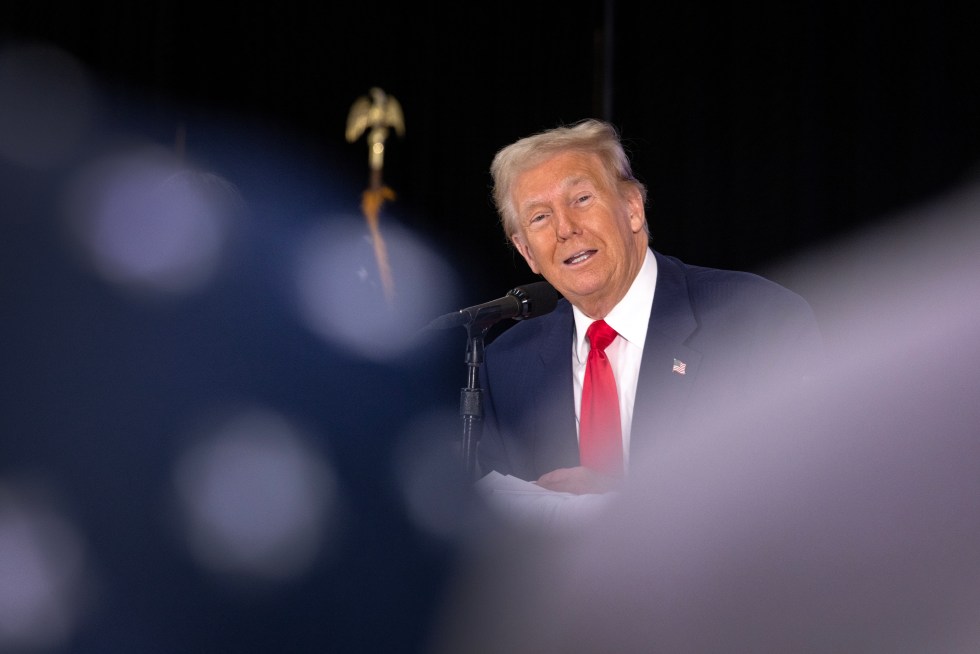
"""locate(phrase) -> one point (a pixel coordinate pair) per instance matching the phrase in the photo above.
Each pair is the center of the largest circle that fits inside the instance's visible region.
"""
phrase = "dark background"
(762, 129)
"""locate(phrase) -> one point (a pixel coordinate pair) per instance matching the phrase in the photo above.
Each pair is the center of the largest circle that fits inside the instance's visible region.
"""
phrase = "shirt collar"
(631, 317)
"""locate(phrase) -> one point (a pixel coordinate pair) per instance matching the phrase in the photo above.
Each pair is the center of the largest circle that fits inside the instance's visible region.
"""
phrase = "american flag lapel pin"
(680, 367)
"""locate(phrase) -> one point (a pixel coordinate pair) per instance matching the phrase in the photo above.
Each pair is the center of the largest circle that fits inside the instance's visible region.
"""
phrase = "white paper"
(529, 503)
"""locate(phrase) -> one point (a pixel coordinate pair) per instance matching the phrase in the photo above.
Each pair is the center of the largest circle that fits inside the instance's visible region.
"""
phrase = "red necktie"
(600, 441)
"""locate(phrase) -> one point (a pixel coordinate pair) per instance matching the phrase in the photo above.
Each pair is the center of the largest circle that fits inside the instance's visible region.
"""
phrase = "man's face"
(578, 231)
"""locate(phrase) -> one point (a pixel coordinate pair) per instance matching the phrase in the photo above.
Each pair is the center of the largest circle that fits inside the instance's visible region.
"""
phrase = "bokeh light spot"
(255, 498)
(41, 570)
(340, 295)
(435, 488)
(148, 223)
(47, 105)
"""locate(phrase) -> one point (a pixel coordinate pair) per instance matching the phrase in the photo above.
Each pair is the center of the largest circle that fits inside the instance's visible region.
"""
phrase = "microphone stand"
(522, 302)
(471, 398)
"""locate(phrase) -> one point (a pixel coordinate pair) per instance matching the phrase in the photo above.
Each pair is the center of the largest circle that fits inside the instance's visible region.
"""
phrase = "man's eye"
(584, 198)
(537, 217)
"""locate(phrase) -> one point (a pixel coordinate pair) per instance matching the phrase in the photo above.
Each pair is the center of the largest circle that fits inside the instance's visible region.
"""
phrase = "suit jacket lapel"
(669, 367)
(555, 443)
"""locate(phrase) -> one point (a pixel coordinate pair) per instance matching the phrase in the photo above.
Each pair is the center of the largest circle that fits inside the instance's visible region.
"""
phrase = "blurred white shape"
(41, 569)
(538, 507)
(340, 297)
(148, 223)
(46, 104)
(255, 498)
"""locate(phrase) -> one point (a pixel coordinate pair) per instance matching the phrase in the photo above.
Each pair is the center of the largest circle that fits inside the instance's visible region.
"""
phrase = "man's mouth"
(579, 257)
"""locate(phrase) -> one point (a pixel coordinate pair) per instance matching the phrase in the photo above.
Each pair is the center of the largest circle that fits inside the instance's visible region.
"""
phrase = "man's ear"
(525, 251)
(637, 210)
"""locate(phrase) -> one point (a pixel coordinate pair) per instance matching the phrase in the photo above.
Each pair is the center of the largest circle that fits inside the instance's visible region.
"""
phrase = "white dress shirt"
(630, 319)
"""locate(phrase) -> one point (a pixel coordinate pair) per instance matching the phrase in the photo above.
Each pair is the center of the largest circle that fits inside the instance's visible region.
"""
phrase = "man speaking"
(641, 347)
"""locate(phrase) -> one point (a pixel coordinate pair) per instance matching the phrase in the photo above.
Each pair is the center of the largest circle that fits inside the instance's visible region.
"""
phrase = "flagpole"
(376, 113)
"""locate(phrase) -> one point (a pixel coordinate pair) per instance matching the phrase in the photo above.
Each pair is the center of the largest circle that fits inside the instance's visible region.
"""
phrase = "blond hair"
(590, 135)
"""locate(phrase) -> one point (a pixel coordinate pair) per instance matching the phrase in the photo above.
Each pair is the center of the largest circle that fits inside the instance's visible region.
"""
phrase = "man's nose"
(565, 224)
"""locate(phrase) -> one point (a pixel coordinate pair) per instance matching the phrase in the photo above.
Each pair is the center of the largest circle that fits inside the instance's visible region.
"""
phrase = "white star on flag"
(679, 367)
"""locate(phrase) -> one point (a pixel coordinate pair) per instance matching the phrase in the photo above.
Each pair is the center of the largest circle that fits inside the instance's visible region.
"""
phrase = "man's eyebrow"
(575, 180)
(527, 206)
(564, 184)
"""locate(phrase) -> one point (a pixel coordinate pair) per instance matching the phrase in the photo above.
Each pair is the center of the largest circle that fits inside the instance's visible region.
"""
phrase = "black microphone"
(528, 301)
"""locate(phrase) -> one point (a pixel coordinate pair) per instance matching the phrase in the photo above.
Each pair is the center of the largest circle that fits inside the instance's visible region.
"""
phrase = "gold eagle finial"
(379, 112)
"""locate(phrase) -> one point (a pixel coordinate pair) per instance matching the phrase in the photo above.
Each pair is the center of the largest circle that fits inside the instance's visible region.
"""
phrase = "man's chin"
(578, 290)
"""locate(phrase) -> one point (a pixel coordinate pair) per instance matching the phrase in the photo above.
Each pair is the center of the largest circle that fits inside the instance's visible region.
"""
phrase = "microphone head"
(535, 299)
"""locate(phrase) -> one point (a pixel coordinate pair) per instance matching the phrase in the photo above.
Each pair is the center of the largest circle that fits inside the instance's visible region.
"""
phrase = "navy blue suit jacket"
(735, 332)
